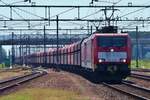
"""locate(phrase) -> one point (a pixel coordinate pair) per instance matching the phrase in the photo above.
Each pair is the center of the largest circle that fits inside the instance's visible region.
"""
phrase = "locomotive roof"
(109, 34)
(105, 34)
(112, 34)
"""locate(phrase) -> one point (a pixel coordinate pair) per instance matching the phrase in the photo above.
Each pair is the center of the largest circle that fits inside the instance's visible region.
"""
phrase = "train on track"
(103, 56)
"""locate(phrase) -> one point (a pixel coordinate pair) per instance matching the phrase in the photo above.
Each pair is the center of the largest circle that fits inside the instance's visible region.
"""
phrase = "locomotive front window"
(115, 41)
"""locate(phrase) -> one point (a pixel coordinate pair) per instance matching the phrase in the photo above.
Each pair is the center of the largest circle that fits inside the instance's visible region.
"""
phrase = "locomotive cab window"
(115, 41)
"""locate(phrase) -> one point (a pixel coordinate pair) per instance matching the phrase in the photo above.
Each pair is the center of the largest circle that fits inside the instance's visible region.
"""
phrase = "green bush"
(142, 64)
(2, 65)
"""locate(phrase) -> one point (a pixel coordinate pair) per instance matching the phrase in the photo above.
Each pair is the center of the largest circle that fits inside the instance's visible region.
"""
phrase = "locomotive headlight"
(101, 60)
(123, 60)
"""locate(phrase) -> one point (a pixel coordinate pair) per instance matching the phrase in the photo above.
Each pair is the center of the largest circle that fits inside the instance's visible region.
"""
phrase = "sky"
(86, 2)
(143, 13)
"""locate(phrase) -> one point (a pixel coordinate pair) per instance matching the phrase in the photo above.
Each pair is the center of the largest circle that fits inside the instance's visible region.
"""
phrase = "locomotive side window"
(105, 41)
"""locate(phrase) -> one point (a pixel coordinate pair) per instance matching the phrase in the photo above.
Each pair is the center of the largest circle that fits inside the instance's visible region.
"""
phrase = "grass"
(2, 65)
(43, 94)
(4, 75)
(142, 64)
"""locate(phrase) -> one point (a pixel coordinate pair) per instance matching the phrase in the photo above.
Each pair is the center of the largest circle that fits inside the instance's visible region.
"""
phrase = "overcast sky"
(86, 2)
(79, 2)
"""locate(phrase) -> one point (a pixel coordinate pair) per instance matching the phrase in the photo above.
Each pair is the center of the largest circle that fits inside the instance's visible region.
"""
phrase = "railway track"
(141, 70)
(132, 90)
(6, 84)
(139, 76)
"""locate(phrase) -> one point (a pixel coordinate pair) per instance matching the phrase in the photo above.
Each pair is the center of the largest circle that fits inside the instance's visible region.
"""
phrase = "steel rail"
(23, 79)
(136, 86)
(14, 78)
(144, 77)
(125, 92)
(141, 70)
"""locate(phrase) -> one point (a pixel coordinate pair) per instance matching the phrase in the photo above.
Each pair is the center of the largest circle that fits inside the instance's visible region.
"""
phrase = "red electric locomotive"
(108, 55)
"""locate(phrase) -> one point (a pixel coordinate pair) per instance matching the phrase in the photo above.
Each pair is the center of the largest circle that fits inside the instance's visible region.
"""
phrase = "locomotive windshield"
(115, 41)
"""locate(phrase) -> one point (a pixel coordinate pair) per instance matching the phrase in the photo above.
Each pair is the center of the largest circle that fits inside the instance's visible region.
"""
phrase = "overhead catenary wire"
(62, 12)
(23, 11)
(97, 26)
(91, 14)
(55, 15)
(71, 9)
(30, 13)
(117, 2)
(14, 11)
(127, 13)
(19, 14)
(131, 23)
(133, 12)
(4, 16)
(110, 2)
(35, 14)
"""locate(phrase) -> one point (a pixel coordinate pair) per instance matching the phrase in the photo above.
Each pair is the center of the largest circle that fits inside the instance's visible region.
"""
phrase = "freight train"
(104, 57)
